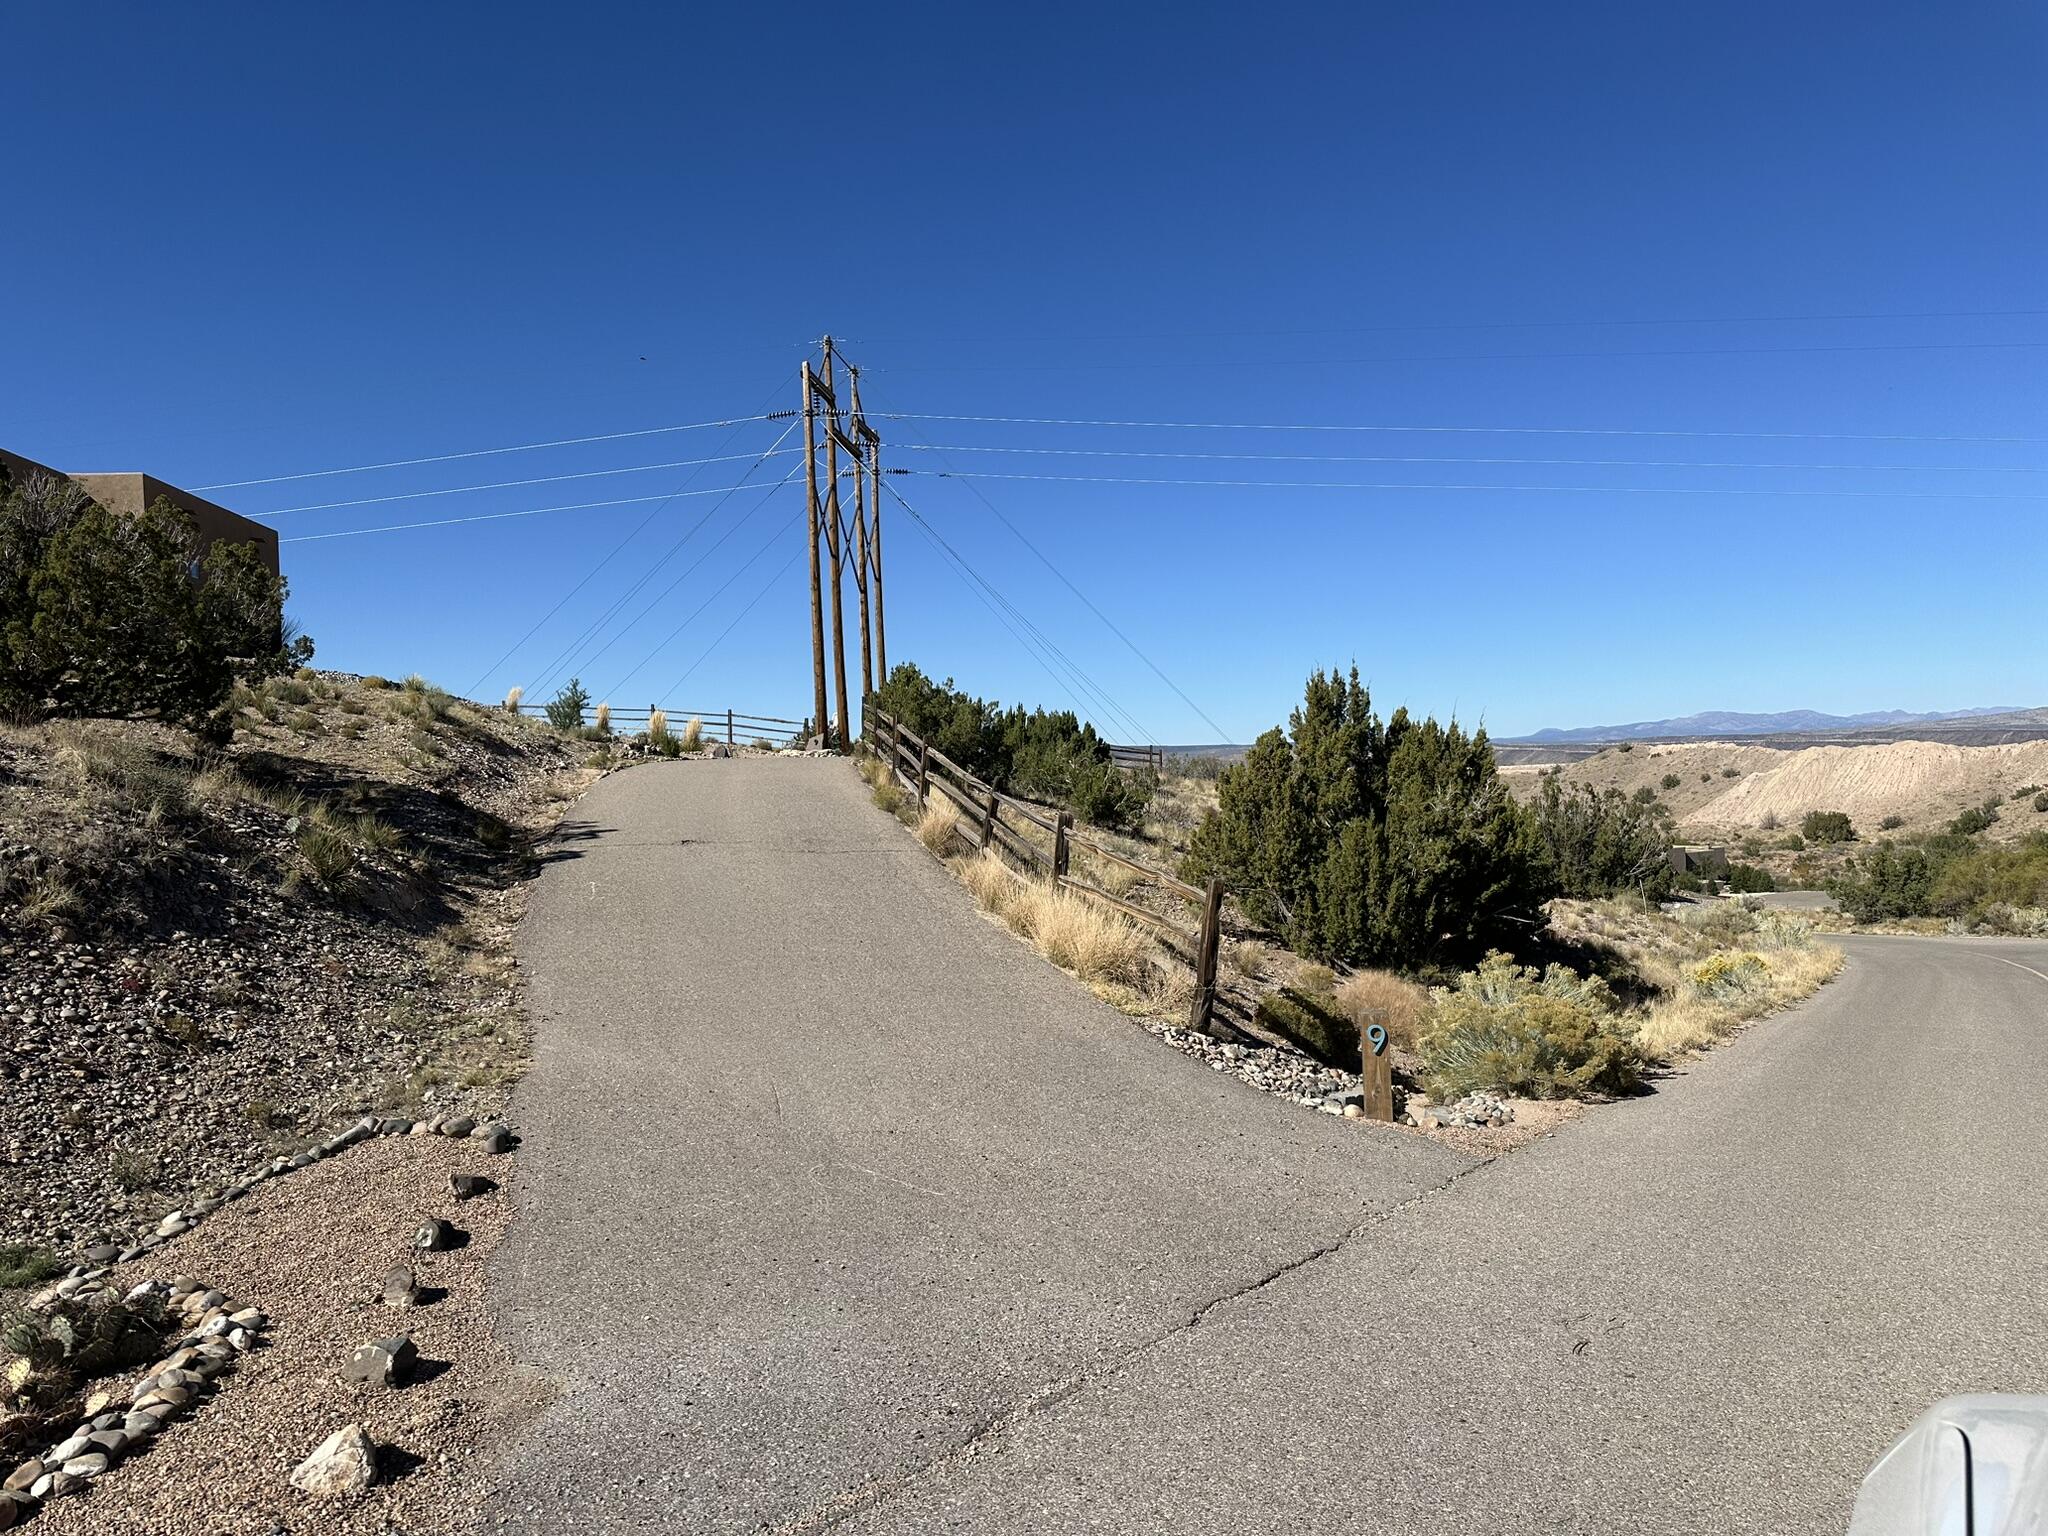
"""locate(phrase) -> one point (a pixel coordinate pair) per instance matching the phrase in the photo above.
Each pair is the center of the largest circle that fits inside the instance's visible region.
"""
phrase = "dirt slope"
(1925, 783)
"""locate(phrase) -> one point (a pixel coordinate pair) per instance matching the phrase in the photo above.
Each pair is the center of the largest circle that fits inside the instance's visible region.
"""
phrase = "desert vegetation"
(1046, 755)
(129, 617)
(1958, 878)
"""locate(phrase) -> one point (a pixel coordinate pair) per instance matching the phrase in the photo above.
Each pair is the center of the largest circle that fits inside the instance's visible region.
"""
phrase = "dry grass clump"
(989, 880)
(936, 826)
(1094, 943)
(604, 719)
(1381, 997)
(693, 735)
(1706, 972)
(1247, 959)
(1103, 948)
(512, 697)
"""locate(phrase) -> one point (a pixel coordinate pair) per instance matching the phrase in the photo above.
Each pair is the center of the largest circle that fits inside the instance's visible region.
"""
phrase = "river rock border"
(219, 1328)
(495, 1136)
(218, 1331)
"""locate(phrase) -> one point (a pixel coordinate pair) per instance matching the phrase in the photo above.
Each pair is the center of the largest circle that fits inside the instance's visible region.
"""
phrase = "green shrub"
(1730, 976)
(1743, 878)
(1670, 780)
(25, 1264)
(326, 849)
(1972, 821)
(1388, 845)
(1891, 823)
(1625, 746)
(1827, 827)
(1506, 1029)
(1597, 845)
(1645, 795)
(1886, 883)
(1731, 773)
(565, 709)
(2041, 801)
(104, 614)
(1106, 796)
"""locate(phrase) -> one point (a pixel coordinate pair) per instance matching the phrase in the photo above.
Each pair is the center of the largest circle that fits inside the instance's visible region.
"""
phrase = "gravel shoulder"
(311, 1250)
(823, 1175)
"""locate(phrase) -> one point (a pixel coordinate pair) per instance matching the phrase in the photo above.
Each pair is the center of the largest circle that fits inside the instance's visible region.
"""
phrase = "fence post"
(728, 728)
(1202, 1012)
(988, 820)
(924, 773)
(1062, 850)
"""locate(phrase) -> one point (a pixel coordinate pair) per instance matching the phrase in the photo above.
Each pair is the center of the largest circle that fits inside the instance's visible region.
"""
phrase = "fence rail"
(1153, 758)
(922, 768)
(733, 726)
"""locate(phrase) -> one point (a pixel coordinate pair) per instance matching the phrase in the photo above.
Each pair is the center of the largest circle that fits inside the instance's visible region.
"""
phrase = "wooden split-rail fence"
(922, 769)
(733, 727)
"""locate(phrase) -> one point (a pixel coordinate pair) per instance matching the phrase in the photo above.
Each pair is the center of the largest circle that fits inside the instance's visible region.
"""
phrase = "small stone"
(140, 1425)
(384, 1363)
(24, 1476)
(344, 1463)
(434, 1234)
(1354, 1111)
(15, 1507)
(457, 1125)
(77, 1445)
(494, 1137)
(248, 1317)
(173, 1224)
(102, 1253)
(92, 1464)
(400, 1288)
(42, 1487)
(467, 1186)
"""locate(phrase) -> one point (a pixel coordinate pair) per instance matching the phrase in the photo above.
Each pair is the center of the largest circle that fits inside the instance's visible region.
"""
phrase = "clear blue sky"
(247, 241)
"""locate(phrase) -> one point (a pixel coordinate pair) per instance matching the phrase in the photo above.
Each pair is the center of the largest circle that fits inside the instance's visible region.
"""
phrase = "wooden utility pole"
(834, 527)
(860, 541)
(874, 445)
(818, 722)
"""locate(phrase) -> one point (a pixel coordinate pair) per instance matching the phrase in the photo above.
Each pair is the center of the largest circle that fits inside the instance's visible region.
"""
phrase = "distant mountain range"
(1721, 722)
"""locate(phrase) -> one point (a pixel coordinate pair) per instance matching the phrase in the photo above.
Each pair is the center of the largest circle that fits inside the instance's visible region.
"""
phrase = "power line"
(696, 565)
(766, 587)
(631, 534)
(1269, 426)
(478, 453)
(499, 485)
(1383, 458)
(1465, 357)
(1474, 325)
(1123, 718)
(491, 517)
(597, 626)
(1399, 485)
(698, 611)
(1045, 560)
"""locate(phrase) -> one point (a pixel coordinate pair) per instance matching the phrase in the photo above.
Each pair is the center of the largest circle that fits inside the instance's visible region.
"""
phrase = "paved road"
(808, 1251)
(823, 1173)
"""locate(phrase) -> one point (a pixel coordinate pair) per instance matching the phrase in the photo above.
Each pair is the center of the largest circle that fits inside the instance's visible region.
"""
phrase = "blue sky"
(252, 241)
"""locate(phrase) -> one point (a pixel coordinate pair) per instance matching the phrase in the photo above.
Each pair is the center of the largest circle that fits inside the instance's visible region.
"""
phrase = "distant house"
(128, 494)
(1699, 861)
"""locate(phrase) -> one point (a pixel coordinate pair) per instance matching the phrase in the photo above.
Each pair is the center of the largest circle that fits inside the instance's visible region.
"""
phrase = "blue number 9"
(1377, 1035)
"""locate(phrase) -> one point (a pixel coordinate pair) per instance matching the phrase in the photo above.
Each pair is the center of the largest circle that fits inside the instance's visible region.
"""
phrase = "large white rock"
(345, 1463)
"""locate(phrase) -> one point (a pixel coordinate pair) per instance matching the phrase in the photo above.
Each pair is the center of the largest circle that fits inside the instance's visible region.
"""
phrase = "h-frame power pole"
(848, 430)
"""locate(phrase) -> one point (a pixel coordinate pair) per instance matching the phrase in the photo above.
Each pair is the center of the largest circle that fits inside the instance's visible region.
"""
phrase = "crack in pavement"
(847, 1503)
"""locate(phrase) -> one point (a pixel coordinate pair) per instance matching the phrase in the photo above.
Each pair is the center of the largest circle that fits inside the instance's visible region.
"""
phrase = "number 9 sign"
(1376, 1037)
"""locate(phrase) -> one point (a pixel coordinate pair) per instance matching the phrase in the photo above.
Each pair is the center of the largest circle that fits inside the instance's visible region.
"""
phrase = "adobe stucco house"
(128, 494)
